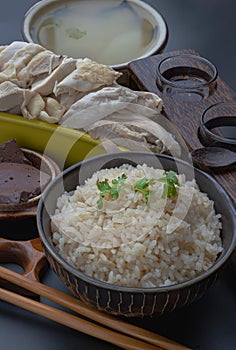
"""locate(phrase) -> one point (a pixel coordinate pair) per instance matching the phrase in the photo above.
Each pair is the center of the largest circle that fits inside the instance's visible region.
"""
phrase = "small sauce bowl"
(218, 125)
(188, 78)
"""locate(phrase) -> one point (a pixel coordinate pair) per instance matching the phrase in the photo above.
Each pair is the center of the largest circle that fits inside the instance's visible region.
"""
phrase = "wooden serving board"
(184, 116)
(29, 255)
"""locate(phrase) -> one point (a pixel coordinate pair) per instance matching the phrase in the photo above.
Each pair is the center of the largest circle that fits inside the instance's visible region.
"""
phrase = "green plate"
(66, 146)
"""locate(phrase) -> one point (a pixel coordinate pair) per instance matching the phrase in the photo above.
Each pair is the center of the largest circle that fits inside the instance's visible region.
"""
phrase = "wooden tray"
(29, 255)
(185, 116)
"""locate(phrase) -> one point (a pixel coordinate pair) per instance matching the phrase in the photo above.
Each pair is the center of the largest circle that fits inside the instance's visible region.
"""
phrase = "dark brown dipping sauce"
(20, 180)
(187, 77)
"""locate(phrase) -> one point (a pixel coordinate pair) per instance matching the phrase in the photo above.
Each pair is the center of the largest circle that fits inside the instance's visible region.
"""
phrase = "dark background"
(207, 26)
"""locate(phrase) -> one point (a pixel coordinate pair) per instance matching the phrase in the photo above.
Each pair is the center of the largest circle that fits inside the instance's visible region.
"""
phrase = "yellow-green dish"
(66, 146)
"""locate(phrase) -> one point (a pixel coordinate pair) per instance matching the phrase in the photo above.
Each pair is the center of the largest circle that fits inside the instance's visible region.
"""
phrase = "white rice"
(133, 244)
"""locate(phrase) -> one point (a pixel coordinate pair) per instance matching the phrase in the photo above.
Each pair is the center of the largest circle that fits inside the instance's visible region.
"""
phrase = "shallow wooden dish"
(29, 208)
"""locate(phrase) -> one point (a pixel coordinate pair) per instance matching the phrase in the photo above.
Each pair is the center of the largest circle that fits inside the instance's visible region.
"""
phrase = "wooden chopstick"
(76, 323)
(76, 305)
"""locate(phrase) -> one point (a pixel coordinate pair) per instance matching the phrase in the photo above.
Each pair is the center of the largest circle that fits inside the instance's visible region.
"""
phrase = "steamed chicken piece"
(36, 107)
(30, 103)
(53, 111)
(41, 66)
(11, 96)
(8, 52)
(19, 60)
(46, 85)
(104, 102)
(2, 48)
(80, 94)
(121, 115)
(145, 132)
(15, 110)
(66, 100)
(87, 77)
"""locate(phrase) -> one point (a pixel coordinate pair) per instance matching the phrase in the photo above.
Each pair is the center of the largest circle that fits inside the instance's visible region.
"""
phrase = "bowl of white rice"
(136, 233)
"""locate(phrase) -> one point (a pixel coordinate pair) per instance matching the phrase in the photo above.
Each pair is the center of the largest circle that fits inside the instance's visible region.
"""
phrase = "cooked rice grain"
(132, 244)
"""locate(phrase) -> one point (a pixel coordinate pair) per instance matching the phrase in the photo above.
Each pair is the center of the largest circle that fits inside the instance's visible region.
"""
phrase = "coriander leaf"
(171, 181)
(142, 187)
(115, 191)
(100, 203)
(103, 186)
(121, 179)
(110, 191)
(142, 183)
(171, 176)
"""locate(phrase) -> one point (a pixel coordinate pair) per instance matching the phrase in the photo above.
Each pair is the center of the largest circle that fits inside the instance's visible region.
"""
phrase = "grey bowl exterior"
(134, 302)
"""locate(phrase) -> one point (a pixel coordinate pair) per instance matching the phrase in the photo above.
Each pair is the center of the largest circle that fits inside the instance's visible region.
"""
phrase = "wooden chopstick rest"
(27, 254)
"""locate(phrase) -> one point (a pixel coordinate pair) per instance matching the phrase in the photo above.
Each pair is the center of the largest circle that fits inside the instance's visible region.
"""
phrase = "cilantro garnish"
(110, 191)
(170, 181)
(142, 186)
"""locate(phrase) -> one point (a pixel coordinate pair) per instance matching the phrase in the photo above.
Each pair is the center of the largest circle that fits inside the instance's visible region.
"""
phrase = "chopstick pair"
(119, 333)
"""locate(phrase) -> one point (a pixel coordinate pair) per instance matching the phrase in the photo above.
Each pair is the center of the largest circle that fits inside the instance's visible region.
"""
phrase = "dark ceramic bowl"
(134, 302)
